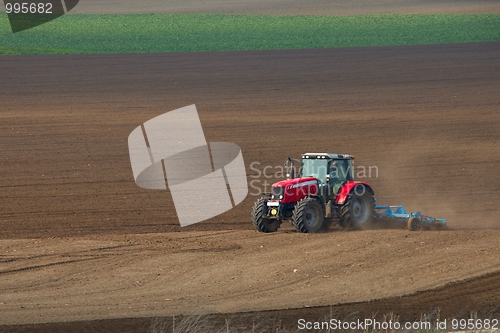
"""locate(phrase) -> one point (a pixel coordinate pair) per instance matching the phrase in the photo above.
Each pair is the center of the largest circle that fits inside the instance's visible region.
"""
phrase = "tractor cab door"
(340, 171)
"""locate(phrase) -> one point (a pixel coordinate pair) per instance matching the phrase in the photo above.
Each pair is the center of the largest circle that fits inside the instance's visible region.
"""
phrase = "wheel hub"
(360, 210)
(310, 217)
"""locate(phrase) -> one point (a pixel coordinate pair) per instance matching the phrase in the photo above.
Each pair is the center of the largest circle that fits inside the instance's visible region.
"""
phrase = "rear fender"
(347, 188)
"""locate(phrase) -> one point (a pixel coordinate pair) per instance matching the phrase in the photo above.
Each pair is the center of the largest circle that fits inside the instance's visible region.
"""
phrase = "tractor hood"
(293, 190)
(295, 182)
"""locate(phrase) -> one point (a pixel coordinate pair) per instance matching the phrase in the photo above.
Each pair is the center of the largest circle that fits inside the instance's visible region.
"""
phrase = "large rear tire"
(260, 223)
(358, 209)
(308, 216)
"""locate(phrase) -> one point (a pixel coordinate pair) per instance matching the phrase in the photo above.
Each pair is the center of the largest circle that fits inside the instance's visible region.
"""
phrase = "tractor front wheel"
(308, 215)
(358, 209)
(259, 221)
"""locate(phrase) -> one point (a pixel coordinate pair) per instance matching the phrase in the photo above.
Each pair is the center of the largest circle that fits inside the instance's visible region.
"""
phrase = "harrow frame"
(399, 214)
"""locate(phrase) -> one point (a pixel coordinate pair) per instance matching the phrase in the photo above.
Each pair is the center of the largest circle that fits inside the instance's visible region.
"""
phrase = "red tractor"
(323, 191)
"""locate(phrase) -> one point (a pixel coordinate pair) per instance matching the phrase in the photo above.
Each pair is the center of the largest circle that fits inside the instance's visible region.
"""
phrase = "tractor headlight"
(274, 212)
(277, 193)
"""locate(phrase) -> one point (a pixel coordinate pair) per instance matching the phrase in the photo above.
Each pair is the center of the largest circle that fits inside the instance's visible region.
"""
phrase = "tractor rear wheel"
(308, 215)
(259, 221)
(358, 209)
(413, 223)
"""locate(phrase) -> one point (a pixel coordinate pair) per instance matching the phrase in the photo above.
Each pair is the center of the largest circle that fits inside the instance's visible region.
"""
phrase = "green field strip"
(151, 33)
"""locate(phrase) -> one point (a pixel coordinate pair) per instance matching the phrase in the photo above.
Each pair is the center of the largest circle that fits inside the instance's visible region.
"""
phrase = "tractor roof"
(327, 156)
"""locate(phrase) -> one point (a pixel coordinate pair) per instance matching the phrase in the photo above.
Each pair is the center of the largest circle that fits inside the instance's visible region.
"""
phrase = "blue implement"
(399, 213)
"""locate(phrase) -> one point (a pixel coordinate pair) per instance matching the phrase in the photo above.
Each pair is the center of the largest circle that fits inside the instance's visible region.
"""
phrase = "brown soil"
(81, 242)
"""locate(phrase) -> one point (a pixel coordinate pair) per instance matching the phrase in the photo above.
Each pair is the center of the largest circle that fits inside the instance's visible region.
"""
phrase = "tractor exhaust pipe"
(290, 167)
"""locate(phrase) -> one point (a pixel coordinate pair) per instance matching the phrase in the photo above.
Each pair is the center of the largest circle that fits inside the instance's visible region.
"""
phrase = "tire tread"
(259, 222)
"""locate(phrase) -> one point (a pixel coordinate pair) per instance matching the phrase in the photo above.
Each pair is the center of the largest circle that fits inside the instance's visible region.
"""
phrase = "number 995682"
(28, 8)
(475, 324)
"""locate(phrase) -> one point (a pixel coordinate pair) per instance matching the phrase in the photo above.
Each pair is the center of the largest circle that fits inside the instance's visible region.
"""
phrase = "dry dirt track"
(290, 7)
(80, 241)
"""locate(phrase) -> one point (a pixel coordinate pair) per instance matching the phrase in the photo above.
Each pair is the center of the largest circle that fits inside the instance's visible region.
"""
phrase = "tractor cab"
(331, 171)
